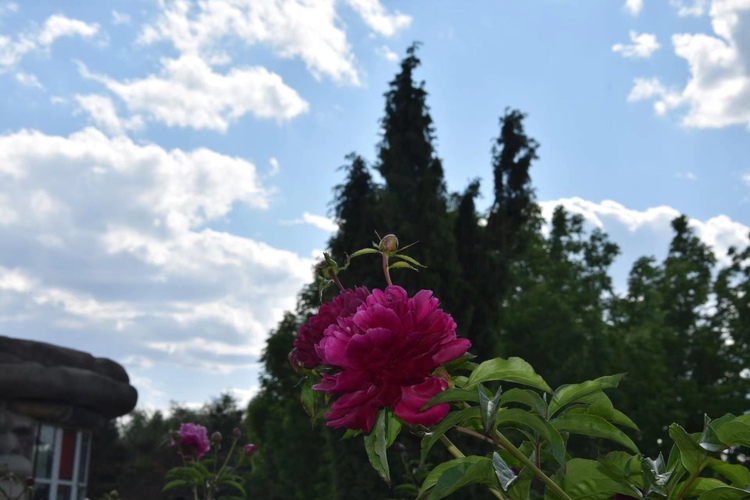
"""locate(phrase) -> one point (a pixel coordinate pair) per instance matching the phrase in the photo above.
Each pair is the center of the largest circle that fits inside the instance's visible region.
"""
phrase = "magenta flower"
(193, 438)
(340, 308)
(249, 449)
(387, 352)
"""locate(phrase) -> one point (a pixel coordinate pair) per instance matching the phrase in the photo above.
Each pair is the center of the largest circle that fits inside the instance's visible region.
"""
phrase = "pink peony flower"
(343, 306)
(193, 438)
(387, 352)
(249, 449)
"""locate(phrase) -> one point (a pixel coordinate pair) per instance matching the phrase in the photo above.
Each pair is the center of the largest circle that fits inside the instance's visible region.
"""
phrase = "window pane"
(81, 493)
(41, 492)
(84, 456)
(63, 493)
(67, 455)
(44, 452)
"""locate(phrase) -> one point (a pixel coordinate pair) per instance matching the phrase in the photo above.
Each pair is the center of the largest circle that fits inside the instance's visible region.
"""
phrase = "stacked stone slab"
(41, 382)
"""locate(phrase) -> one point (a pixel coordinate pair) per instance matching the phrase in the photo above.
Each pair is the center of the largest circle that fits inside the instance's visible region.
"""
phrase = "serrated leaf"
(450, 420)
(454, 474)
(525, 397)
(691, 454)
(488, 407)
(567, 394)
(504, 474)
(591, 425)
(514, 370)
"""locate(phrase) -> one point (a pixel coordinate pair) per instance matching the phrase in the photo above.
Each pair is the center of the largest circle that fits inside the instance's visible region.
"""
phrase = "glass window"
(41, 492)
(67, 455)
(60, 463)
(44, 452)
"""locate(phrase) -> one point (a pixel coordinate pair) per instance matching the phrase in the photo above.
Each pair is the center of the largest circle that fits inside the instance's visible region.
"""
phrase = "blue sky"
(166, 166)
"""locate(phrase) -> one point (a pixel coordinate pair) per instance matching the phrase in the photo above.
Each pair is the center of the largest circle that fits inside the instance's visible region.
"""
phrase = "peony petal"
(414, 397)
(452, 350)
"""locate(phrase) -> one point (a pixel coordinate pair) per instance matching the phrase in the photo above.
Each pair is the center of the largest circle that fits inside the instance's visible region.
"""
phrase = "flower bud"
(389, 243)
(294, 361)
(249, 449)
(216, 437)
(236, 432)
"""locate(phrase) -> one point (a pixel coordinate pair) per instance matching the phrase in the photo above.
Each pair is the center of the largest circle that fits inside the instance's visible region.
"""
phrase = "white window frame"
(54, 480)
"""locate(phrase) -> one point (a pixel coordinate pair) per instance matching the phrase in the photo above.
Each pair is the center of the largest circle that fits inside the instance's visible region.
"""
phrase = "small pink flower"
(249, 449)
(193, 438)
(343, 306)
(387, 352)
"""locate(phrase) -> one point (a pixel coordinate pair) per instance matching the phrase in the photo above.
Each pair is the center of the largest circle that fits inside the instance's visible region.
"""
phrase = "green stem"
(453, 450)
(689, 483)
(504, 443)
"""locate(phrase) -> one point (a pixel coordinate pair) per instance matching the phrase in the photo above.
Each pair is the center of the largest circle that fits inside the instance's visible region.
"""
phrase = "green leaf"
(504, 474)
(725, 493)
(452, 475)
(584, 479)
(691, 454)
(734, 433)
(350, 433)
(409, 260)
(739, 475)
(525, 397)
(544, 429)
(567, 394)
(709, 440)
(392, 428)
(376, 445)
(453, 418)
(488, 407)
(452, 395)
(174, 484)
(655, 474)
(364, 251)
(236, 485)
(591, 425)
(308, 396)
(700, 485)
(510, 370)
(397, 265)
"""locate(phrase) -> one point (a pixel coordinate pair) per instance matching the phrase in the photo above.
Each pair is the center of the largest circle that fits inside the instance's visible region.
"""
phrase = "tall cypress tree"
(414, 201)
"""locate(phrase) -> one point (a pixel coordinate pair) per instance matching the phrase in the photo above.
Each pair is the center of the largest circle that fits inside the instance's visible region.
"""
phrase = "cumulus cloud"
(717, 93)
(189, 93)
(54, 28)
(388, 54)
(719, 232)
(106, 238)
(375, 16)
(29, 80)
(102, 112)
(634, 7)
(120, 18)
(318, 221)
(696, 8)
(643, 46)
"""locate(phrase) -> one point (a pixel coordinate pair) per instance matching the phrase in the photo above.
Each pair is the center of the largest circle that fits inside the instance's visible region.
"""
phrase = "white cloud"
(28, 80)
(634, 7)
(318, 221)
(54, 28)
(294, 28)
(275, 168)
(643, 46)
(374, 15)
(8, 8)
(120, 18)
(717, 93)
(719, 232)
(388, 54)
(696, 9)
(109, 239)
(189, 93)
(102, 112)
(690, 176)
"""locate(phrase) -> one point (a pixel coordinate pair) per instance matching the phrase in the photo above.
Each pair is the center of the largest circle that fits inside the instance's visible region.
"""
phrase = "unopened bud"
(389, 243)
(236, 432)
(249, 449)
(216, 437)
